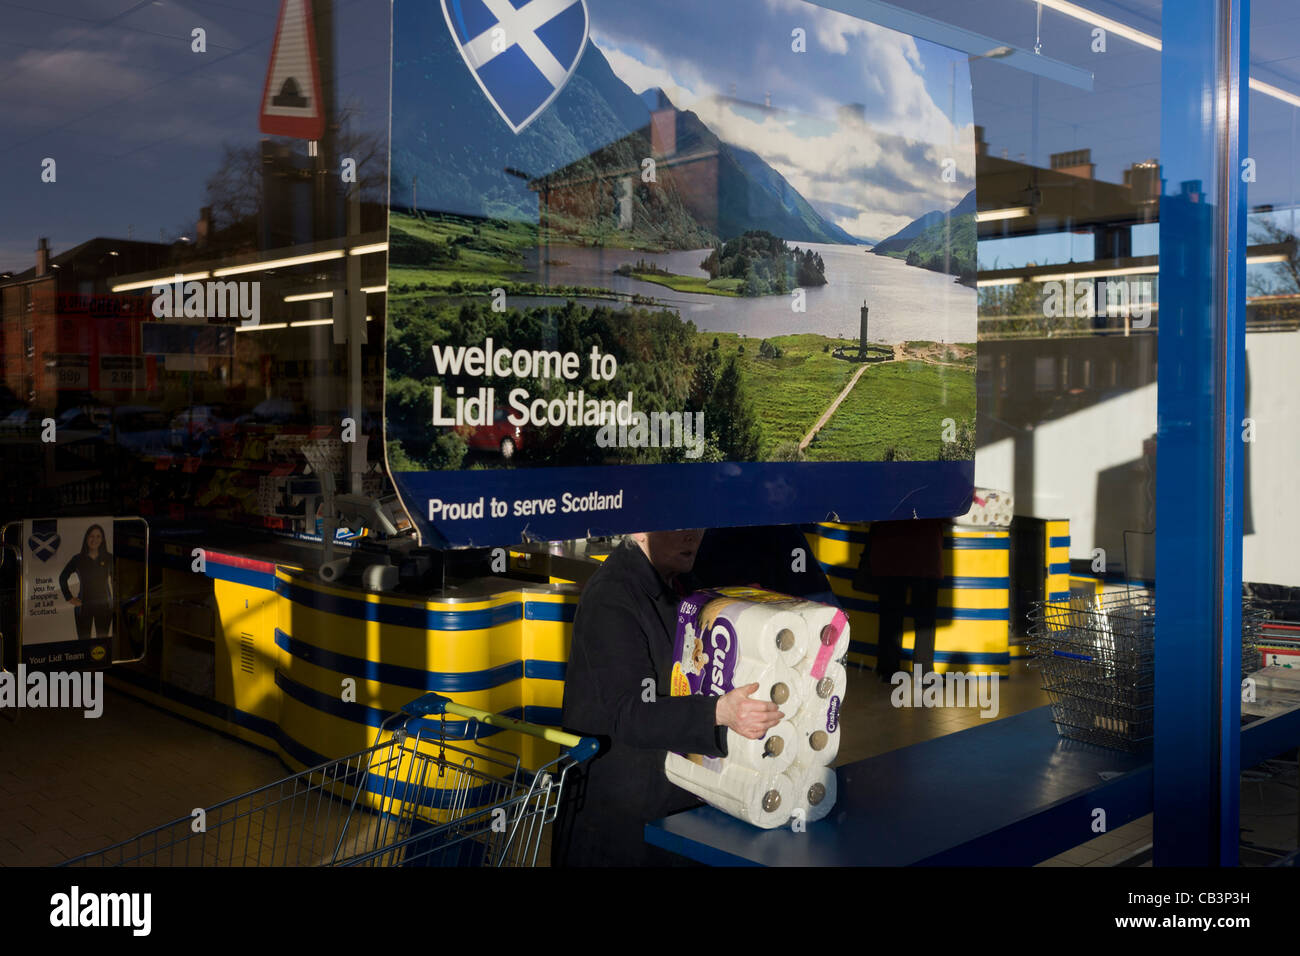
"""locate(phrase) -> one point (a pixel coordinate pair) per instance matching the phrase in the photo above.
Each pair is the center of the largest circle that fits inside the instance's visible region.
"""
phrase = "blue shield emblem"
(44, 539)
(521, 52)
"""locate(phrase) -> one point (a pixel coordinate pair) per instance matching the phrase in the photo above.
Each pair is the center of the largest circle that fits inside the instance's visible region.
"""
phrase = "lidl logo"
(521, 52)
(98, 653)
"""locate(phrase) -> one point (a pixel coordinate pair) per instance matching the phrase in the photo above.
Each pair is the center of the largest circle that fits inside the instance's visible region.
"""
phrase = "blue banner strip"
(998, 659)
(441, 681)
(942, 614)
(420, 618)
(617, 499)
(966, 582)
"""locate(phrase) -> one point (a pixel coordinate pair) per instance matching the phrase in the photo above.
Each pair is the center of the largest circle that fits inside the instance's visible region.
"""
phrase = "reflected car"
(23, 420)
(194, 427)
(82, 423)
(500, 436)
(142, 429)
(272, 411)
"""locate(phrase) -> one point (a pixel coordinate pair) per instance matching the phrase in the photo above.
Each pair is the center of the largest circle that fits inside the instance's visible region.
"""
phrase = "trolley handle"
(580, 748)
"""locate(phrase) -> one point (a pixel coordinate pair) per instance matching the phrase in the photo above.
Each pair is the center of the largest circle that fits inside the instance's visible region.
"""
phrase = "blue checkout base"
(1007, 793)
(1010, 792)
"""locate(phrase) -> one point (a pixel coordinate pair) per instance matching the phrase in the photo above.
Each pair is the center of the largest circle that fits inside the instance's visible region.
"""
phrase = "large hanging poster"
(675, 265)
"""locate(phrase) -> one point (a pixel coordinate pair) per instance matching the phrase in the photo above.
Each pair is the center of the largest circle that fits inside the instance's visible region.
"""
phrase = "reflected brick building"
(64, 333)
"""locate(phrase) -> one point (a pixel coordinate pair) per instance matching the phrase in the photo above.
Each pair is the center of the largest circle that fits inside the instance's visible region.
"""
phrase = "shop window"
(1044, 374)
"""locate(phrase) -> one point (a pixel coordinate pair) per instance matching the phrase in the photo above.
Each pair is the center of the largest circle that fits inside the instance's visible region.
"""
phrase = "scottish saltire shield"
(520, 53)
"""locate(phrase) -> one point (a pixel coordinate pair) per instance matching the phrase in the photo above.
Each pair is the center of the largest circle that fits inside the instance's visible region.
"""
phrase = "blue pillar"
(1199, 492)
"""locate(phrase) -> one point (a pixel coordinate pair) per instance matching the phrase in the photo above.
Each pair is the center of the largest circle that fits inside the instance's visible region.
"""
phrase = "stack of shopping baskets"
(1097, 657)
(413, 799)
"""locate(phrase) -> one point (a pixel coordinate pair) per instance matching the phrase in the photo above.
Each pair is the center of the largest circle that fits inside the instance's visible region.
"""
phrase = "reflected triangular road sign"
(291, 99)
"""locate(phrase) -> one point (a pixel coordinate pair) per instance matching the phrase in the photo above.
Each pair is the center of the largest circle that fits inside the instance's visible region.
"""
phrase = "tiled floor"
(70, 785)
(872, 725)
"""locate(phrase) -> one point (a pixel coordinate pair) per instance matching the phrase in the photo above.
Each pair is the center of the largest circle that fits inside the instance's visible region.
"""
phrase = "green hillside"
(927, 249)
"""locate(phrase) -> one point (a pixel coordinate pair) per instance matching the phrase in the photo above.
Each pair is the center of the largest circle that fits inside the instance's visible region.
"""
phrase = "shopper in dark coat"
(903, 555)
(617, 690)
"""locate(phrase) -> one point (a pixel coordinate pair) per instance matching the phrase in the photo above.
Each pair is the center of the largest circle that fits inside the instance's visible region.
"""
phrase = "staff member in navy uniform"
(617, 689)
(93, 566)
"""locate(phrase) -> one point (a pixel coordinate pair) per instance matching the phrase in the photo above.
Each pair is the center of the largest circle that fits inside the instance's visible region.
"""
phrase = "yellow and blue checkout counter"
(264, 651)
(972, 623)
(255, 645)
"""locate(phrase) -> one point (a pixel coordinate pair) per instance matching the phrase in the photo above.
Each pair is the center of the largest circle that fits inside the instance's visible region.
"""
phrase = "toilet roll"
(817, 733)
(828, 637)
(816, 692)
(813, 790)
(773, 754)
(763, 799)
(989, 509)
(780, 684)
(762, 631)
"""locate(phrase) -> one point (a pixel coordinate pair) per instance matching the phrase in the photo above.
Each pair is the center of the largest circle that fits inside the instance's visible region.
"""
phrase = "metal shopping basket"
(412, 799)
(1096, 654)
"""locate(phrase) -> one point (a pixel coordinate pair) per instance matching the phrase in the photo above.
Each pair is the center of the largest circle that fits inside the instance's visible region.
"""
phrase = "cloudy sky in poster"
(871, 182)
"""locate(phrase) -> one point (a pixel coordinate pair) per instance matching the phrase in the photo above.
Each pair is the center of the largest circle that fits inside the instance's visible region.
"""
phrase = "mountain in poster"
(453, 153)
(921, 242)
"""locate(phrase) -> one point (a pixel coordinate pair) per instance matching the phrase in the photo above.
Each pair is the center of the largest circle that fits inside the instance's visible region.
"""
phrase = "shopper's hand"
(75, 602)
(749, 718)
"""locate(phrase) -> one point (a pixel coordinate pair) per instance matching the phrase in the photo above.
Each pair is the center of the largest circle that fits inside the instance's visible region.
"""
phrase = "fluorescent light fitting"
(264, 327)
(374, 289)
(1268, 89)
(1153, 43)
(161, 280)
(1100, 273)
(306, 322)
(987, 283)
(279, 263)
(308, 296)
(366, 250)
(1263, 260)
(1106, 23)
(993, 215)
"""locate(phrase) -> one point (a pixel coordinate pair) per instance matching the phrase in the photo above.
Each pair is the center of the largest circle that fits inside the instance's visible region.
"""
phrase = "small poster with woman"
(69, 592)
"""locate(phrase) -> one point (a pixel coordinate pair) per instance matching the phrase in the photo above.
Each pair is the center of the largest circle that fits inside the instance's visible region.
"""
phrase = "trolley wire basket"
(412, 799)
(1096, 654)
(1097, 657)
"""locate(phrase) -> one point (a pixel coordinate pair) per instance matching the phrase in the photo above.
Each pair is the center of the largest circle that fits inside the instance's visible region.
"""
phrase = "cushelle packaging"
(794, 650)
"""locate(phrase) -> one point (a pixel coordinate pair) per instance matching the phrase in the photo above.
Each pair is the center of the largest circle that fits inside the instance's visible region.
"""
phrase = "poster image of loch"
(733, 240)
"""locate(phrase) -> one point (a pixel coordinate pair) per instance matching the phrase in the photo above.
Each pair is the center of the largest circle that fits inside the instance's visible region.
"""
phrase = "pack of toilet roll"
(989, 509)
(794, 650)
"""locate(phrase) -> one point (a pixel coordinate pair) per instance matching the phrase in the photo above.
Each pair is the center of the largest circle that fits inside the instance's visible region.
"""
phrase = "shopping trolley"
(414, 798)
